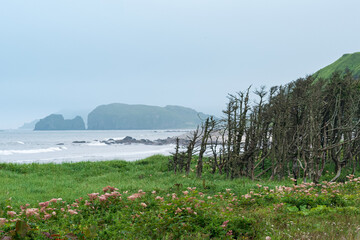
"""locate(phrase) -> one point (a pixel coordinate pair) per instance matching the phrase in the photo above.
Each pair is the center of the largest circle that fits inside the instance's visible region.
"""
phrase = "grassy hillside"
(347, 61)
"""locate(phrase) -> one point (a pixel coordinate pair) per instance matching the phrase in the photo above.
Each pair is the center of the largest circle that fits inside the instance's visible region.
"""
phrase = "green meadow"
(143, 200)
(32, 183)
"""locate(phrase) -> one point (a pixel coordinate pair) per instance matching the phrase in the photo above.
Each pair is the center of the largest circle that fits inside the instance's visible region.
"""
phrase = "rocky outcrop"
(131, 140)
(57, 122)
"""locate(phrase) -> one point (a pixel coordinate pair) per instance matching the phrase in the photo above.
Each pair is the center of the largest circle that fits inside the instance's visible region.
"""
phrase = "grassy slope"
(347, 61)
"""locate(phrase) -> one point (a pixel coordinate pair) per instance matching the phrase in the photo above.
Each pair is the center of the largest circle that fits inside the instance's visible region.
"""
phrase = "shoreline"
(23, 146)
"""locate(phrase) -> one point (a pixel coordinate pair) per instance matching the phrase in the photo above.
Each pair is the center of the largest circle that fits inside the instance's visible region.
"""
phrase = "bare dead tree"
(207, 128)
(195, 135)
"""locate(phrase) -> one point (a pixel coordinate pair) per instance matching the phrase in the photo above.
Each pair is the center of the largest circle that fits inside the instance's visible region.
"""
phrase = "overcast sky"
(75, 55)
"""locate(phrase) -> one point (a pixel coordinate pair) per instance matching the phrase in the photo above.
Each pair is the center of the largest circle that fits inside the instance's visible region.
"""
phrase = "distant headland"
(119, 116)
(57, 122)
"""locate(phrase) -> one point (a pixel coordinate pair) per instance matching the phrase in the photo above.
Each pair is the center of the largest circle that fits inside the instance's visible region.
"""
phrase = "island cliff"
(118, 116)
(57, 122)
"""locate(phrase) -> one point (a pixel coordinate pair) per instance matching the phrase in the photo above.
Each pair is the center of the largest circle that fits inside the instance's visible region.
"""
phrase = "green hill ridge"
(346, 62)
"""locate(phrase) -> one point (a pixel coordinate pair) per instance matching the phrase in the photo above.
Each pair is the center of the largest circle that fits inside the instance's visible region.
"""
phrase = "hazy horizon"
(73, 56)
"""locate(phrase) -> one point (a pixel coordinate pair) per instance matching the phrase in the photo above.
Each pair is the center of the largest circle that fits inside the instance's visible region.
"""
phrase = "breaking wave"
(31, 151)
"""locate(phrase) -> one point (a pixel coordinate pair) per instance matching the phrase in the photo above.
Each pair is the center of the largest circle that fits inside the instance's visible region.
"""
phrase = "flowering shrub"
(186, 213)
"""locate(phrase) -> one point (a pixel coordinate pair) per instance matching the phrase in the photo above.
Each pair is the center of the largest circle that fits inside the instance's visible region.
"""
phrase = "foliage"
(285, 211)
(299, 130)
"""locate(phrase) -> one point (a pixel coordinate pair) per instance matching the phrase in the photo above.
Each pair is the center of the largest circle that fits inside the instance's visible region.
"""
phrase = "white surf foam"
(96, 144)
(31, 151)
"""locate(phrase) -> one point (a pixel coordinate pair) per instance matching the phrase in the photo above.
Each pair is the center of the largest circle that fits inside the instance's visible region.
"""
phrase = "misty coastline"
(24, 146)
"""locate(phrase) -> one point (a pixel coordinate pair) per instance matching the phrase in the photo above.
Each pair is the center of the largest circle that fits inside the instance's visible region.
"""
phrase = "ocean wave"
(31, 151)
(96, 144)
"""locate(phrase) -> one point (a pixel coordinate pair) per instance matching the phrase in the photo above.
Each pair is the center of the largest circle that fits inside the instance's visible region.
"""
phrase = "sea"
(26, 146)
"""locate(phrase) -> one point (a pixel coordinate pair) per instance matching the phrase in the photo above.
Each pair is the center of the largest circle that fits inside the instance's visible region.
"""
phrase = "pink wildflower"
(185, 192)
(178, 210)
(110, 189)
(44, 204)
(144, 205)
(72, 212)
(247, 196)
(159, 198)
(2, 221)
(115, 194)
(47, 216)
(11, 213)
(31, 211)
(93, 196)
(136, 195)
(229, 233)
(225, 224)
(230, 209)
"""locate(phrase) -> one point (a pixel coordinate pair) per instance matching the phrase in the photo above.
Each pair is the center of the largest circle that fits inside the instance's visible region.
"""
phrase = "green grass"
(347, 61)
(280, 215)
(34, 183)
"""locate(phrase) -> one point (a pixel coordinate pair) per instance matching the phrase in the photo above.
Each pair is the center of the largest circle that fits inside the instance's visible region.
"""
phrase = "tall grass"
(276, 213)
(32, 183)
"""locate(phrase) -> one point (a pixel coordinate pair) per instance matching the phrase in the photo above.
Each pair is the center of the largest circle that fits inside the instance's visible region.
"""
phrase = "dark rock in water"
(130, 140)
(79, 142)
(57, 122)
(60, 144)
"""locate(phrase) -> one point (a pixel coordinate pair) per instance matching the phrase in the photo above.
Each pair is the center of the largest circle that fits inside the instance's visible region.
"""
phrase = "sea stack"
(57, 122)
